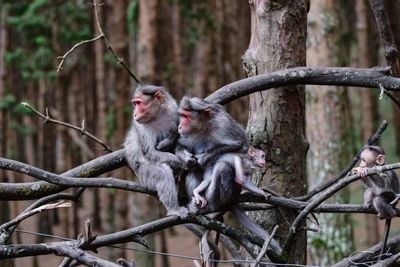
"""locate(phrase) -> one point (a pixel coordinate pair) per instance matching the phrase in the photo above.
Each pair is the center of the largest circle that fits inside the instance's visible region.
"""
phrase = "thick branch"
(12, 165)
(133, 234)
(372, 78)
(35, 190)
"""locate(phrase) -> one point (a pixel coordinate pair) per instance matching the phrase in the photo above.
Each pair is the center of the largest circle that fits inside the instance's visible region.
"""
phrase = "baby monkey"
(381, 189)
(243, 165)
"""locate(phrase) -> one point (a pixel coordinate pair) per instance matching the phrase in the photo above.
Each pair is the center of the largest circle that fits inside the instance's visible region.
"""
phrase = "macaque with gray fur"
(207, 133)
(380, 189)
(243, 165)
(155, 120)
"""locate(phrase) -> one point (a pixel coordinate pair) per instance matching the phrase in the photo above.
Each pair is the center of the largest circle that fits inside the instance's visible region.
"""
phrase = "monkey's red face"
(185, 122)
(145, 108)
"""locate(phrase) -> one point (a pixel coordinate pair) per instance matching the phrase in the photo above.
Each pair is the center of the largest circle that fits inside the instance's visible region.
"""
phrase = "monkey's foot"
(181, 212)
(193, 208)
(200, 201)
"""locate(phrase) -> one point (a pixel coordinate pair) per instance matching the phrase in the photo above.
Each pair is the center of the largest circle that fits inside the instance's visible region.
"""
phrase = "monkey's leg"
(367, 197)
(160, 177)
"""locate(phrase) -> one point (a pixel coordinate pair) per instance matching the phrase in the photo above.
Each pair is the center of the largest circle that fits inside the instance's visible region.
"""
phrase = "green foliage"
(133, 15)
(9, 103)
(110, 124)
(42, 31)
(196, 13)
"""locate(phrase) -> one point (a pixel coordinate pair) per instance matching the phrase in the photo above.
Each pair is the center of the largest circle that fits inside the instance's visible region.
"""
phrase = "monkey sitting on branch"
(243, 165)
(208, 133)
(155, 123)
(381, 189)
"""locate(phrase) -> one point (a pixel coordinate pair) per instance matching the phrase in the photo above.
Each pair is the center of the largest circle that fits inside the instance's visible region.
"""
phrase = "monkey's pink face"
(368, 159)
(144, 108)
(184, 122)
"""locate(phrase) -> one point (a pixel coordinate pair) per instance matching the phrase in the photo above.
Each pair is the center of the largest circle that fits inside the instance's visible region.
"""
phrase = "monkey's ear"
(380, 159)
(159, 96)
(207, 112)
(252, 151)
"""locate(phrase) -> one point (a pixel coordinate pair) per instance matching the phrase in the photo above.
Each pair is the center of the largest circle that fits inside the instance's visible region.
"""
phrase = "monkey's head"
(257, 156)
(195, 114)
(371, 156)
(147, 102)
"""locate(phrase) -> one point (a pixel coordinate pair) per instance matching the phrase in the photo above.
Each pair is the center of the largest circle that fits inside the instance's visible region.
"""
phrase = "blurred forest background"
(191, 47)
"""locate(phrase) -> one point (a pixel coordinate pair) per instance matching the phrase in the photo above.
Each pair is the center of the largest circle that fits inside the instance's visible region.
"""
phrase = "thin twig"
(265, 247)
(108, 44)
(82, 129)
(60, 66)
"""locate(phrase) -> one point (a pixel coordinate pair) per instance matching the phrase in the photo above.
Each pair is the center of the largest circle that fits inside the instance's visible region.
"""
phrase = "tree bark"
(277, 117)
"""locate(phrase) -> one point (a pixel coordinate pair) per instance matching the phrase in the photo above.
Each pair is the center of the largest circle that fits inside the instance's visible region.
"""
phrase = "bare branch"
(369, 255)
(60, 67)
(264, 247)
(25, 215)
(82, 130)
(12, 165)
(355, 77)
(136, 233)
(36, 190)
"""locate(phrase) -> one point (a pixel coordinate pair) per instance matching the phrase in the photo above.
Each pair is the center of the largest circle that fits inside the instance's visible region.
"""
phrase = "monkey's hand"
(201, 202)
(363, 172)
(203, 159)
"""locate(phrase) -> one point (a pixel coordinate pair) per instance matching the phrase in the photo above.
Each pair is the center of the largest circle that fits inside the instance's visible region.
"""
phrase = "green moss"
(88, 173)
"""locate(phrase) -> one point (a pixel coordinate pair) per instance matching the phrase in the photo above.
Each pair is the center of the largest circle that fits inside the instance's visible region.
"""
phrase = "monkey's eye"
(136, 102)
(183, 115)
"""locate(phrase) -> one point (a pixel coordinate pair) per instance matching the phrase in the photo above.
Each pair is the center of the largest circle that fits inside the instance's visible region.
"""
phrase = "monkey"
(155, 119)
(207, 132)
(243, 165)
(380, 189)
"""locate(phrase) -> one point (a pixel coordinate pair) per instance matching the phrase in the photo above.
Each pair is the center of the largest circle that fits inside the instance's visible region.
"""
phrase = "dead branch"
(36, 190)
(106, 42)
(81, 129)
(264, 247)
(369, 255)
(136, 234)
(355, 77)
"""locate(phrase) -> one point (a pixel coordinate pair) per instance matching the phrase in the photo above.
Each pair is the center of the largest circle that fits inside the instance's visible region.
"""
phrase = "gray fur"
(155, 168)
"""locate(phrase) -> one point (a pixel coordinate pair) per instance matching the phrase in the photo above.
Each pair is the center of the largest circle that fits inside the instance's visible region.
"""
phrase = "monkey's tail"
(385, 238)
(254, 228)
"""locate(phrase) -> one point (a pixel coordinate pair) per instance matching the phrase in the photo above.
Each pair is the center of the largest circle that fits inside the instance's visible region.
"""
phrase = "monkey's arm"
(169, 143)
(212, 154)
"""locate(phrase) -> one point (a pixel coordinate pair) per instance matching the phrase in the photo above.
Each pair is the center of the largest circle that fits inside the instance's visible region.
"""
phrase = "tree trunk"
(277, 117)
(393, 8)
(328, 127)
(367, 48)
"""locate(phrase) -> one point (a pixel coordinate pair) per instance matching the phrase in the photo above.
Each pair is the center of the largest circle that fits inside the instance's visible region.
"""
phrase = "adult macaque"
(155, 120)
(207, 133)
(381, 189)
(243, 165)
